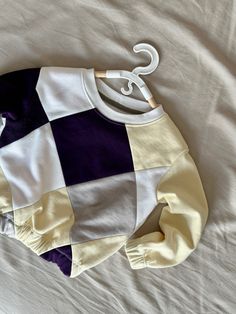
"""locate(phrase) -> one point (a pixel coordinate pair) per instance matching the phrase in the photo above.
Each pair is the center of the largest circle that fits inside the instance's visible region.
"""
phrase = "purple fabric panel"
(61, 256)
(20, 104)
(91, 147)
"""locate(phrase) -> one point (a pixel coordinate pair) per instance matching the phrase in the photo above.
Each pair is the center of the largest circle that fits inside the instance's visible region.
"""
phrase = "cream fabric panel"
(155, 144)
(90, 253)
(47, 223)
(6, 198)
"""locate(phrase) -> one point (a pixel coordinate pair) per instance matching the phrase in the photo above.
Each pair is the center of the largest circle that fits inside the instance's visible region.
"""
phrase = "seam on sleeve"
(170, 167)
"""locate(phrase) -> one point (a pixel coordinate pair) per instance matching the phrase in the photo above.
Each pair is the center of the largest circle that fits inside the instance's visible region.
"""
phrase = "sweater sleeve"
(16, 88)
(182, 219)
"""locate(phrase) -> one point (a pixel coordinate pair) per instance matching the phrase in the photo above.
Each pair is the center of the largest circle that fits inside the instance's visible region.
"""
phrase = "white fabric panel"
(31, 166)
(2, 123)
(60, 91)
(147, 181)
(6, 224)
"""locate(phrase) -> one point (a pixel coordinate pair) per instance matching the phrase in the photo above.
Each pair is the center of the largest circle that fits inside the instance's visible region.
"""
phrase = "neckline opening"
(91, 84)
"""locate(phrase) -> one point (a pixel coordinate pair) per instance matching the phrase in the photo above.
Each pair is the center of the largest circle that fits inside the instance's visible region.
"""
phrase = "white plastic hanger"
(133, 77)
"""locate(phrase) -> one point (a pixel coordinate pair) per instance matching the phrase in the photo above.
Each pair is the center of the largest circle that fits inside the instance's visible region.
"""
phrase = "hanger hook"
(145, 70)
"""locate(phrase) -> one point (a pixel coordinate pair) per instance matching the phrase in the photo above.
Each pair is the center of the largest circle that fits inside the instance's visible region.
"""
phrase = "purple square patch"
(91, 147)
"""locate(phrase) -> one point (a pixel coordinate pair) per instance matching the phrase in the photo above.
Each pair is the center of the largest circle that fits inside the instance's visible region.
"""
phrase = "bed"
(195, 82)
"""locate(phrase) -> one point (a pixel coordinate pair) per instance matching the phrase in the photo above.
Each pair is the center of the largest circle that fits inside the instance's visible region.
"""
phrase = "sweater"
(79, 175)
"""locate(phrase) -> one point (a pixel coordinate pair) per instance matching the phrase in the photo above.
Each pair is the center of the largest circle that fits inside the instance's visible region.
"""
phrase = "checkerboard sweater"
(78, 176)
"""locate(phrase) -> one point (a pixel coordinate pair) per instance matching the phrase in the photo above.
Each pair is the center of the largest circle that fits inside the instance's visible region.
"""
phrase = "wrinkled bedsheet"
(195, 82)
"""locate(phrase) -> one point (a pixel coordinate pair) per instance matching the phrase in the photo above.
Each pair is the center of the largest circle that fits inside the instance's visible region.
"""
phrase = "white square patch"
(31, 166)
(60, 91)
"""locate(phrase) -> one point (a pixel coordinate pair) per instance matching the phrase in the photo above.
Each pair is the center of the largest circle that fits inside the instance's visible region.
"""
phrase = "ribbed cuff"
(135, 255)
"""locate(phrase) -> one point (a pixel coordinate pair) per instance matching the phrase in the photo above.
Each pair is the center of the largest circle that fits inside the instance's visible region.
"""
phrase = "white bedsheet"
(195, 82)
